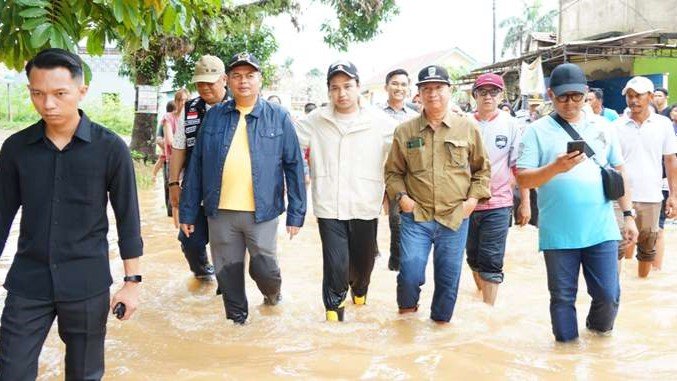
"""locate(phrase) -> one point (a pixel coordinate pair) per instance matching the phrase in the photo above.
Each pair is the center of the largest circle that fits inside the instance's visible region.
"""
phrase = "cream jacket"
(346, 165)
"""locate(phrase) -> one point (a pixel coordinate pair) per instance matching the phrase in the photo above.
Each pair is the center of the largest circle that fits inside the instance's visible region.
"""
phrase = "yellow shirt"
(237, 188)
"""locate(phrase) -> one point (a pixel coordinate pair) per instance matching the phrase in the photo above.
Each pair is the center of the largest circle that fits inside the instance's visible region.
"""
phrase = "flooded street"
(180, 331)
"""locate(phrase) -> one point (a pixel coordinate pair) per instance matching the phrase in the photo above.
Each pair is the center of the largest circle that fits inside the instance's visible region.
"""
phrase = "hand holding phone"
(576, 145)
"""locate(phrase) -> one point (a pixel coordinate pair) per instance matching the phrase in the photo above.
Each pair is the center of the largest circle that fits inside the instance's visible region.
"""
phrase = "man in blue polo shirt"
(577, 227)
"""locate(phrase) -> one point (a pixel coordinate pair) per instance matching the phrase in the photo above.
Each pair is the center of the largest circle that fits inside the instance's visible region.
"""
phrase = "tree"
(151, 33)
(532, 20)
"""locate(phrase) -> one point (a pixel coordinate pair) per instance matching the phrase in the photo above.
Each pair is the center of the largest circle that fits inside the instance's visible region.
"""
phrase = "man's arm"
(176, 162)
(535, 177)
(129, 293)
(189, 202)
(292, 162)
(670, 161)
(10, 196)
(630, 232)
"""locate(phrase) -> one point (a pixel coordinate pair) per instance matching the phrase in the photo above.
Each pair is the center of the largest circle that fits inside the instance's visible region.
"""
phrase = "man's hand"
(523, 213)
(671, 206)
(566, 161)
(469, 207)
(407, 204)
(187, 229)
(174, 195)
(630, 232)
(129, 296)
(292, 231)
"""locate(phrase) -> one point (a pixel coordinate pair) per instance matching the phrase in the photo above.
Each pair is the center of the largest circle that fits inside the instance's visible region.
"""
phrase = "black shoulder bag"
(612, 180)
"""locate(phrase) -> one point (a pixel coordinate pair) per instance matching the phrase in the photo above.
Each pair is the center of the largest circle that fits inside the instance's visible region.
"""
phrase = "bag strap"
(570, 130)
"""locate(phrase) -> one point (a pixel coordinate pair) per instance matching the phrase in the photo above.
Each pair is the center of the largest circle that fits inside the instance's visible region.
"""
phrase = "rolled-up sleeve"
(124, 200)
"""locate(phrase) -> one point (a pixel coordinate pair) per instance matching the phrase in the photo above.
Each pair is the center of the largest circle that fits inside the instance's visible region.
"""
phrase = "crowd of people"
(234, 162)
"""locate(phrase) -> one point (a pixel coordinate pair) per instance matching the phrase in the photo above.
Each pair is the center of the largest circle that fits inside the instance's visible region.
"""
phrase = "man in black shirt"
(62, 171)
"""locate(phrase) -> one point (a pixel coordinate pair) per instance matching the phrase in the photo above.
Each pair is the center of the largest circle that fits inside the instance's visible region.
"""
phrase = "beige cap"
(641, 85)
(208, 69)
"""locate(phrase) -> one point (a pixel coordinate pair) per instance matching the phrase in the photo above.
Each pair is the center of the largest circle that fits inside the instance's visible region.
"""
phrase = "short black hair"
(54, 57)
(171, 106)
(396, 72)
(662, 90)
(310, 106)
(599, 93)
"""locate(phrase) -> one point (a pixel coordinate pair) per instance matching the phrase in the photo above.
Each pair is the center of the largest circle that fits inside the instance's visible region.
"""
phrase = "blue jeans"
(600, 269)
(416, 239)
(485, 248)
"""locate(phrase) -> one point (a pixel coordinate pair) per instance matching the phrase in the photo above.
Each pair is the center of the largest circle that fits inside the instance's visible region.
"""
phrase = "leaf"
(118, 10)
(33, 12)
(88, 72)
(96, 42)
(32, 23)
(40, 35)
(34, 3)
(168, 18)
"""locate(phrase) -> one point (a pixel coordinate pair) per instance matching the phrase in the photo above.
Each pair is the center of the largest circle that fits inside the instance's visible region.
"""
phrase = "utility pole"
(493, 42)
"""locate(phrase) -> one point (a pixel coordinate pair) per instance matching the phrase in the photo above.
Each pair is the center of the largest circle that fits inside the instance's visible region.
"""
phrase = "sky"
(421, 27)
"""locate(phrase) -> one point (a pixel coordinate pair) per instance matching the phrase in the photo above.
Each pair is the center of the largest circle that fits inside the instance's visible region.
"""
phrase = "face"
(245, 82)
(659, 98)
(180, 99)
(212, 93)
(344, 93)
(568, 105)
(56, 95)
(435, 96)
(397, 87)
(638, 103)
(592, 100)
(487, 98)
(673, 114)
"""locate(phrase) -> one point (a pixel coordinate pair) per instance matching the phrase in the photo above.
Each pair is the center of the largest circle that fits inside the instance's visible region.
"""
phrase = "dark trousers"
(348, 253)
(165, 179)
(26, 323)
(195, 247)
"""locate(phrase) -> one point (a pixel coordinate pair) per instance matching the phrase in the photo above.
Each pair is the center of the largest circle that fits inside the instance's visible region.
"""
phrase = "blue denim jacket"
(275, 157)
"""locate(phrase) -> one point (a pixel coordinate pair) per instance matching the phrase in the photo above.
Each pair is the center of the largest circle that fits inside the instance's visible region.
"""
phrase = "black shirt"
(62, 251)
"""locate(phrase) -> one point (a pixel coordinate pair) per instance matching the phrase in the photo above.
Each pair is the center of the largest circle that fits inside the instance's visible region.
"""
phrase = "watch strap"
(133, 278)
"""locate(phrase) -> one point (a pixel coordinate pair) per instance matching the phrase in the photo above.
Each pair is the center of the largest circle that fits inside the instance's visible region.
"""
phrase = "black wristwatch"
(399, 196)
(173, 183)
(630, 213)
(133, 278)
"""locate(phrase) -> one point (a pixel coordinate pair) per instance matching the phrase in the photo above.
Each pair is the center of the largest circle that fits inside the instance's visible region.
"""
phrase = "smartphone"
(576, 145)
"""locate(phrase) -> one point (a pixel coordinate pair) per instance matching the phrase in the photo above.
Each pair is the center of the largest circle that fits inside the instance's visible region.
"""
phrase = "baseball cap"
(433, 73)
(208, 69)
(641, 85)
(345, 67)
(489, 79)
(244, 58)
(568, 78)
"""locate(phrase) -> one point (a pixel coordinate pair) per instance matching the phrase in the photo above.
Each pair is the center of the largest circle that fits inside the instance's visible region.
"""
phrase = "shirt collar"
(82, 132)
(423, 121)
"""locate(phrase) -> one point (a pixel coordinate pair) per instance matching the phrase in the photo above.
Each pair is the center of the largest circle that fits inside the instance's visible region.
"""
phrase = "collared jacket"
(346, 164)
(275, 157)
(439, 170)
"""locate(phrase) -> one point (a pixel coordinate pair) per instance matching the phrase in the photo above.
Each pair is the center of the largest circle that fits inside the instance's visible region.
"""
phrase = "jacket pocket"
(458, 153)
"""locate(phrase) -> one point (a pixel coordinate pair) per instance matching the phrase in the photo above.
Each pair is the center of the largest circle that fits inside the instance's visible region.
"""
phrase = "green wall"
(646, 65)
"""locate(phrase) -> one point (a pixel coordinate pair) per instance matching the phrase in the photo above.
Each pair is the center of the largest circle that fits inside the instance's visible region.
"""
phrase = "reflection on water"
(181, 332)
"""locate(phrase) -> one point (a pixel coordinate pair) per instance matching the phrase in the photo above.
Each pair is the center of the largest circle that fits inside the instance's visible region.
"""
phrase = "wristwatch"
(133, 278)
(630, 213)
(399, 196)
(173, 183)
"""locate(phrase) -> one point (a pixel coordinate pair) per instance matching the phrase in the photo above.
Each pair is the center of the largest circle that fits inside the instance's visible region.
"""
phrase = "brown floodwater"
(180, 331)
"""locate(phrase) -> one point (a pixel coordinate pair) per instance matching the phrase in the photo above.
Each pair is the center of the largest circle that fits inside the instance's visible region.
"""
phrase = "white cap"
(641, 85)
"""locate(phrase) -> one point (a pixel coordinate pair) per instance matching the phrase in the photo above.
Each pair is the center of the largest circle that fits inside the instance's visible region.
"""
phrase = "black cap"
(244, 58)
(433, 73)
(568, 78)
(662, 90)
(345, 67)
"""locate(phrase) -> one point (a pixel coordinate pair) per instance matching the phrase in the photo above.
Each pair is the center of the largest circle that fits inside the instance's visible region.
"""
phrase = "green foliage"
(532, 20)
(111, 114)
(357, 21)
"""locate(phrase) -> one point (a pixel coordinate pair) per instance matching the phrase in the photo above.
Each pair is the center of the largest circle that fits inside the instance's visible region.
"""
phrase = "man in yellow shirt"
(246, 152)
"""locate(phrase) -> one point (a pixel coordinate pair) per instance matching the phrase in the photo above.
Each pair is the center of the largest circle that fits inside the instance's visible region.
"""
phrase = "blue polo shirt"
(573, 211)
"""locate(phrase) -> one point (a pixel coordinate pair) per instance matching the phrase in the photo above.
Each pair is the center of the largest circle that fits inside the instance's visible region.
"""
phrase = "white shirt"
(643, 148)
(180, 134)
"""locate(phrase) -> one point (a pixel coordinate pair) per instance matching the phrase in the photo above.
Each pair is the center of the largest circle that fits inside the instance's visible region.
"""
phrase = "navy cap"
(433, 73)
(345, 67)
(244, 58)
(568, 78)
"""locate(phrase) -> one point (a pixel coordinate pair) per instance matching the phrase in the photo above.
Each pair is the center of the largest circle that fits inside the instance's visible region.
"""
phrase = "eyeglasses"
(484, 92)
(575, 97)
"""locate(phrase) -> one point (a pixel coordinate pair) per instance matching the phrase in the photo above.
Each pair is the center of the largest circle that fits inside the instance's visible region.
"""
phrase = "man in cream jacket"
(348, 148)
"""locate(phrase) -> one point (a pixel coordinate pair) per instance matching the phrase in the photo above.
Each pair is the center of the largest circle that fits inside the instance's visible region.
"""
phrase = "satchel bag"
(612, 180)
